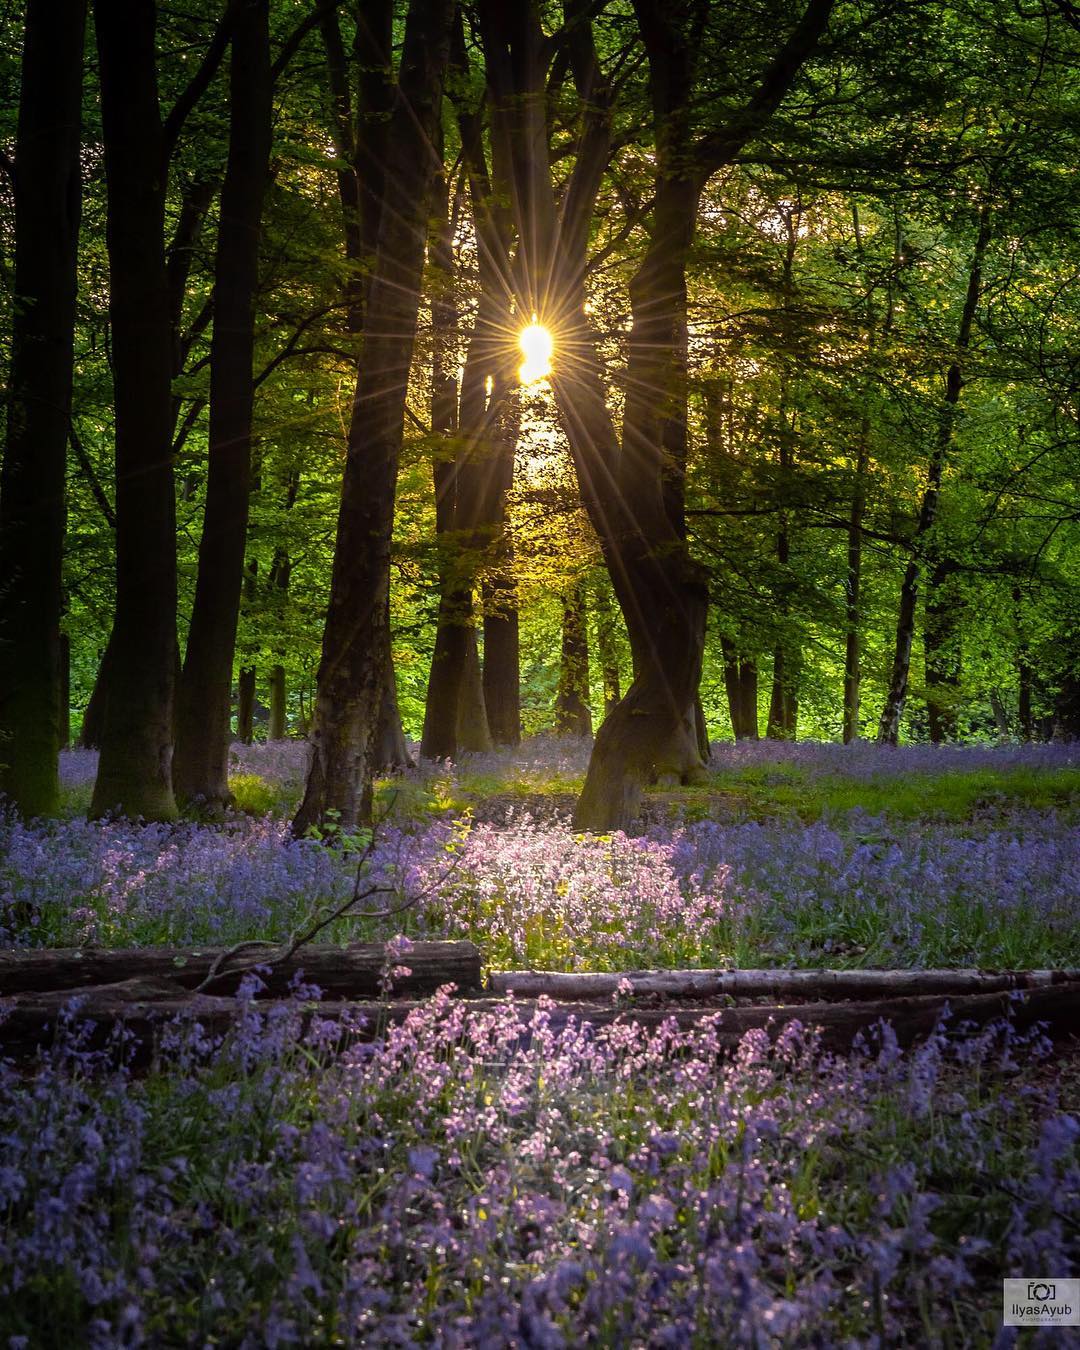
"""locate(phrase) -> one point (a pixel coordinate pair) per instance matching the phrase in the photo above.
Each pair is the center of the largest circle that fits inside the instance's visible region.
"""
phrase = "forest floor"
(454, 1184)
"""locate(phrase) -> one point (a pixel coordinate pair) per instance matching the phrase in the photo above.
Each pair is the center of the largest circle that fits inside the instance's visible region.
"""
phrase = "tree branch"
(200, 81)
(719, 148)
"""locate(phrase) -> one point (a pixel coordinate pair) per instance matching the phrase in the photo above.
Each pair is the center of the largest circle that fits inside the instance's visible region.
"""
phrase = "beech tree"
(356, 640)
(633, 490)
(200, 768)
(32, 492)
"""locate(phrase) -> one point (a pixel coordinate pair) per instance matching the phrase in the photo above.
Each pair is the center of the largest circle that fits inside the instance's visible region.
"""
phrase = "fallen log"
(353, 971)
(788, 985)
(142, 1007)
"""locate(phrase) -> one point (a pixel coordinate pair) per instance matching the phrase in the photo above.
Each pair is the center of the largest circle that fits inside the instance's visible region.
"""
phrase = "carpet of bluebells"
(457, 1182)
(998, 887)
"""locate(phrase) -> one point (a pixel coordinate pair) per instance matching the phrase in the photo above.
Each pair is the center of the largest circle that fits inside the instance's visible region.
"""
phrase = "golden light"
(536, 345)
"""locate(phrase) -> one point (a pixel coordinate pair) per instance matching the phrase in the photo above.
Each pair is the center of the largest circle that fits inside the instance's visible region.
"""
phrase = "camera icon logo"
(1040, 1291)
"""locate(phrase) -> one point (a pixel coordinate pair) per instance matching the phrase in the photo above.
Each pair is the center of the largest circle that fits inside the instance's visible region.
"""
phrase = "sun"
(536, 345)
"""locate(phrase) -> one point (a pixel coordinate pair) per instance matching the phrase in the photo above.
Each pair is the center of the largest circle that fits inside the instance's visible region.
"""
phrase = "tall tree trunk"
(64, 692)
(469, 512)
(502, 663)
(201, 764)
(93, 722)
(47, 209)
(1025, 676)
(473, 732)
(280, 576)
(391, 754)
(853, 594)
(356, 641)
(1001, 716)
(783, 704)
(135, 769)
(1024, 682)
(941, 641)
(893, 709)
(275, 730)
(280, 573)
(245, 705)
(502, 656)
(607, 649)
(853, 577)
(1066, 724)
(439, 739)
(740, 683)
(361, 129)
(572, 715)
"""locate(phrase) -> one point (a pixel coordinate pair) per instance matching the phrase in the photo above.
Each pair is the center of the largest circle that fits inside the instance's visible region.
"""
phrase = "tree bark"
(276, 730)
(793, 985)
(607, 650)
(351, 971)
(853, 597)
(893, 709)
(245, 705)
(356, 641)
(740, 683)
(201, 763)
(93, 722)
(783, 720)
(361, 129)
(391, 752)
(32, 497)
(145, 1007)
(473, 732)
(941, 641)
(64, 692)
(135, 769)
(572, 715)
(787, 660)
(502, 656)
(442, 707)
(502, 660)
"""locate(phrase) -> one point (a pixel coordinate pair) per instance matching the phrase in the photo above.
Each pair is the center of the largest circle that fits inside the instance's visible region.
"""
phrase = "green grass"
(761, 792)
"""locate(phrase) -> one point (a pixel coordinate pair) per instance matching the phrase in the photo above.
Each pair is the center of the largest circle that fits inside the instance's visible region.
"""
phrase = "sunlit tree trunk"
(572, 715)
(450, 706)
(201, 763)
(502, 657)
(391, 752)
(47, 210)
(502, 661)
(351, 680)
(607, 649)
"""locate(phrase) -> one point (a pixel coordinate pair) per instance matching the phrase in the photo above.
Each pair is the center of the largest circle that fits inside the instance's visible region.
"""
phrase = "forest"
(539, 672)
